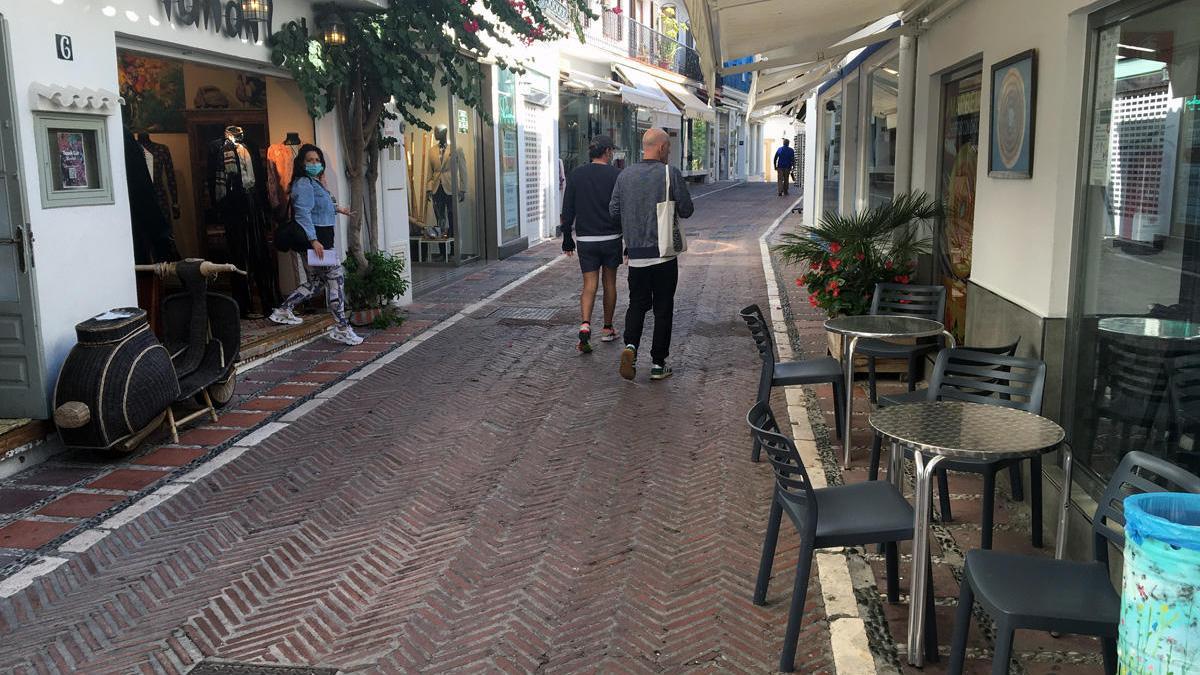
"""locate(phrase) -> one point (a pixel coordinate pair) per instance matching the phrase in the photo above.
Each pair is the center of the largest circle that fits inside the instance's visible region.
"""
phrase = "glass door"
(956, 189)
(468, 183)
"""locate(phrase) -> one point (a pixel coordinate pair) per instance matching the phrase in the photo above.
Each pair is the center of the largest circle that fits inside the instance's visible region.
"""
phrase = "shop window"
(831, 156)
(881, 134)
(1135, 310)
(956, 189)
(73, 160)
(510, 177)
(697, 147)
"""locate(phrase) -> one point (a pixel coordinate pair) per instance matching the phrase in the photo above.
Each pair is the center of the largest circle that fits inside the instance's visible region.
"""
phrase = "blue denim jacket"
(312, 206)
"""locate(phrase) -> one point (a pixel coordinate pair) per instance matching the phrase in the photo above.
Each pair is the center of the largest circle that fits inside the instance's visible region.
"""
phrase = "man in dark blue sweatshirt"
(585, 219)
(785, 159)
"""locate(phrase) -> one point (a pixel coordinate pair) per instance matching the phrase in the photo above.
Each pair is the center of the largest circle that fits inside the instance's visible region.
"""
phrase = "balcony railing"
(652, 47)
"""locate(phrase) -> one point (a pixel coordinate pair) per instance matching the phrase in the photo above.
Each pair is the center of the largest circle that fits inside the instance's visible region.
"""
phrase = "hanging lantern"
(256, 11)
(334, 33)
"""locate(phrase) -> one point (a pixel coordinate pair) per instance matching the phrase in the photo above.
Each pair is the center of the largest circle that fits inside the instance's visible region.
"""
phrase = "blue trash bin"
(1160, 610)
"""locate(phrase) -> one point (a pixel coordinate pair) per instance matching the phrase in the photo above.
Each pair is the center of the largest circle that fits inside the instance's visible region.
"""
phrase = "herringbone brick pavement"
(491, 501)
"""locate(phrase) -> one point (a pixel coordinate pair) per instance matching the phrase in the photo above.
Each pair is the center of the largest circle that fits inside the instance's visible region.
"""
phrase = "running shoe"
(608, 334)
(660, 371)
(285, 317)
(628, 362)
(346, 336)
(585, 336)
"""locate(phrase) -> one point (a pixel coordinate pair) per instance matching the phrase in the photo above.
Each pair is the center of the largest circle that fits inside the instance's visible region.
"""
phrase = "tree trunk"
(373, 224)
(351, 114)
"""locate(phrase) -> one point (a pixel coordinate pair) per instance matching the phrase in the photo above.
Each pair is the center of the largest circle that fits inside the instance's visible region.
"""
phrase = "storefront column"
(904, 113)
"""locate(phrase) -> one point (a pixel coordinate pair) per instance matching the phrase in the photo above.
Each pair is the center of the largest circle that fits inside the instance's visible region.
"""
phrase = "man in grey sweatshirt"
(652, 276)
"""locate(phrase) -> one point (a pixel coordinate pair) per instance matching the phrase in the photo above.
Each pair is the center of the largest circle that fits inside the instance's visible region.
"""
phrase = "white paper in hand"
(329, 260)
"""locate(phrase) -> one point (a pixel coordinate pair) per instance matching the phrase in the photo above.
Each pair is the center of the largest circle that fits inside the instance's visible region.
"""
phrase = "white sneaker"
(346, 336)
(285, 317)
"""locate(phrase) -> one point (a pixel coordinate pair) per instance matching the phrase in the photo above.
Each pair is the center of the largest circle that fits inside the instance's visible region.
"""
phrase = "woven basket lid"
(111, 326)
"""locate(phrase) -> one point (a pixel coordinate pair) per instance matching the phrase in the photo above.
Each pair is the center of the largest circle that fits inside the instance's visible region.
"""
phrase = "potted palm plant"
(372, 292)
(844, 256)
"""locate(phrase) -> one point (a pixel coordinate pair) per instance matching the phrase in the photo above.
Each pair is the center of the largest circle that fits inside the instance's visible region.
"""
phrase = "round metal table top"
(884, 326)
(1140, 326)
(962, 430)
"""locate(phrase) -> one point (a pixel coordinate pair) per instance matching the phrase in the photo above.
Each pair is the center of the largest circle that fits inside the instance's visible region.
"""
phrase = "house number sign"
(62, 45)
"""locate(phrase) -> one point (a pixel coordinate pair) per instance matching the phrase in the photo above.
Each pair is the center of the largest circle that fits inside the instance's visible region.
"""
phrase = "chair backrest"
(992, 379)
(792, 485)
(1009, 349)
(925, 302)
(1138, 472)
(1136, 371)
(761, 333)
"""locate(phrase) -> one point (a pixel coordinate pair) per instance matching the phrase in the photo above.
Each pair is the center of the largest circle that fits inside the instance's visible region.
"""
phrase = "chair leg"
(876, 450)
(1003, 653)
(931, 640)
(1035, 499)
(989, 507)
(755, 448)
(1108, 649)
(944, 495)
(768, 553)
(892, 555)
(962, 627)
(1014, 480)
(787, 660)
(870, 378)
(171, 424)
(914, 363)
(839, 413)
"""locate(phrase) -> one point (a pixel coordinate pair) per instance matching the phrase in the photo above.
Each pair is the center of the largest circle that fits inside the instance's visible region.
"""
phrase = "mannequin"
(152, 237)
(235, 191)
(445, 172)
(280, 160)
(162, 174)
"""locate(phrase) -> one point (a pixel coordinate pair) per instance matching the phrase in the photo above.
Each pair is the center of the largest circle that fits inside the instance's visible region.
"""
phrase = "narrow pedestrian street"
(489, 500)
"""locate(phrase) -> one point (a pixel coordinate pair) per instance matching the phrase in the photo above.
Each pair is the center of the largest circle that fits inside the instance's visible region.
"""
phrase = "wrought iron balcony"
(652, 47)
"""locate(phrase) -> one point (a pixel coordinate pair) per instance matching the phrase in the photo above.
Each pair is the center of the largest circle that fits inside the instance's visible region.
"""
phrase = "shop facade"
(95, 87)
(1075, 229)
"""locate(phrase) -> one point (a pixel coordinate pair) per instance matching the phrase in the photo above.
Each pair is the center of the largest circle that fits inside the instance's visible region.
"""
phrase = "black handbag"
(290, 236)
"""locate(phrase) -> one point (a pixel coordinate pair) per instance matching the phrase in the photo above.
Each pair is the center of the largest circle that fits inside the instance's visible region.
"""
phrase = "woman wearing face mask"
(314, 210)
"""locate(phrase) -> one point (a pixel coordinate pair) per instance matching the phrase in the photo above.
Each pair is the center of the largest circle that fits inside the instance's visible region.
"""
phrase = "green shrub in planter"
(382, 283)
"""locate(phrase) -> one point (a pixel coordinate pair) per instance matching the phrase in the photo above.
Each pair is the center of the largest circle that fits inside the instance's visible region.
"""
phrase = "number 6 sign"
(62, 43)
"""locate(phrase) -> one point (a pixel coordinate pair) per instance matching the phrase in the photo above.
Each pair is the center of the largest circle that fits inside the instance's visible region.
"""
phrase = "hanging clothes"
(152, 238)
(280, 160)
(162, 174)
(232, 188)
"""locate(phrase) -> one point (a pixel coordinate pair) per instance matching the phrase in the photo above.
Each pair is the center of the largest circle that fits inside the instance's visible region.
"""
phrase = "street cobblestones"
(486, 501)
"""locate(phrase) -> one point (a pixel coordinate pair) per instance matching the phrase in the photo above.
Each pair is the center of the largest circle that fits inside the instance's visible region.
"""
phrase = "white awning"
(688, 102)
(589, 83)
(642, 90)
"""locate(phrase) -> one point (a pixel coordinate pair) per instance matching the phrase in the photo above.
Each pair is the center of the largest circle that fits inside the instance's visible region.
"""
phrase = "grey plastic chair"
(1027, 592)
(925, 302)
(777, 373)
(992, 379)
(845, 515)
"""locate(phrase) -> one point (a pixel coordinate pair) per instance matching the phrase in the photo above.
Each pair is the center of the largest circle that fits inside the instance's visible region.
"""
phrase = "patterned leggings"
(333, 279)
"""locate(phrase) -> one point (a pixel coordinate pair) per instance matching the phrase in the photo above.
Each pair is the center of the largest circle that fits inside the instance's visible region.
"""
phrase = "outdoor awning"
(642, 90)
(688, 102)
(589, 83)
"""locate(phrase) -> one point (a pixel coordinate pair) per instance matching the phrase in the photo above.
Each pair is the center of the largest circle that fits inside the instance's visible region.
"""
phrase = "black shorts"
(596, 254)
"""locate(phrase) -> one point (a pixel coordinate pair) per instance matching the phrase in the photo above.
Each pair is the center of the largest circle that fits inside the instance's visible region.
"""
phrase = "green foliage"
(387, 318)
(382, 282)
(847, 255)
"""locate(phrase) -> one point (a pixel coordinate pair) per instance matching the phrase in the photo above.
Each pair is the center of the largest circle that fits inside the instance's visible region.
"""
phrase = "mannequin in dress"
(445, 171)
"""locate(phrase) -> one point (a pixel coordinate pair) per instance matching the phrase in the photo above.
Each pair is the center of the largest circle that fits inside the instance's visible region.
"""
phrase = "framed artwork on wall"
(1012, 113)
(73, 163)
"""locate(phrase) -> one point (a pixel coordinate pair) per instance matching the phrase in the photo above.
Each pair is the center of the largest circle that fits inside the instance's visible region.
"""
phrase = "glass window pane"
(881, 133)
(832, 155)
(1138, 304)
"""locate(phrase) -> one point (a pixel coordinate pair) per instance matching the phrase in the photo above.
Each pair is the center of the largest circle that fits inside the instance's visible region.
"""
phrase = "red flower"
(814, 265)
(834, 264)
(616, 10)
(901, 278)
(889, 265)
(812, 300)
(471, 26)
(835, 247)
(799, 282)
(833, 284)
(860, 255)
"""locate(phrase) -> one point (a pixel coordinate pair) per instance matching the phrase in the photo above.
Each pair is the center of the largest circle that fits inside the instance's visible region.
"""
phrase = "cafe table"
(875, 326)
(958, 430)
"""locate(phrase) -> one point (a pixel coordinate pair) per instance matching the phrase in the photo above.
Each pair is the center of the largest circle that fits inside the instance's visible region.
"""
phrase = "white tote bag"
(671, 241)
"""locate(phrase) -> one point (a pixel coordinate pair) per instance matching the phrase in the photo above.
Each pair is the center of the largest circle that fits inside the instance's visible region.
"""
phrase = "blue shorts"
(596, 254)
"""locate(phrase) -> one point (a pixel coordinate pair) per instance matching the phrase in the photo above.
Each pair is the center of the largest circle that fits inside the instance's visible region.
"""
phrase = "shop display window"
(1134, 326)
(697, 146)
(831, 155)
(880, 139)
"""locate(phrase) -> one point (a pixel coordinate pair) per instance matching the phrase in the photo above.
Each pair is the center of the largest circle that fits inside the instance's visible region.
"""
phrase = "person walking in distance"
(785, 159)
(653, 268)
(585, 219)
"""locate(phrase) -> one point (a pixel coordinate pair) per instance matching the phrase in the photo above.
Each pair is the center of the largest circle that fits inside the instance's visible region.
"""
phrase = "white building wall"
(83, 255)
(1023, 228)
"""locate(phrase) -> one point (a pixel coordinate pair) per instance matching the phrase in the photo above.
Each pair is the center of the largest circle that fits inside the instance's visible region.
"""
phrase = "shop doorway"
(956, 189)
(217, 143)
(22, 383)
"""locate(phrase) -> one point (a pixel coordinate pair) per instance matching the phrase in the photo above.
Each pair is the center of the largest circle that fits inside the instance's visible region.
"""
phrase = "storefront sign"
(223, 18)
(62, 44)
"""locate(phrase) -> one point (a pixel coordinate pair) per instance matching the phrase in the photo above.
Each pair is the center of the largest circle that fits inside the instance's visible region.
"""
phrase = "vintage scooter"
(119, 382)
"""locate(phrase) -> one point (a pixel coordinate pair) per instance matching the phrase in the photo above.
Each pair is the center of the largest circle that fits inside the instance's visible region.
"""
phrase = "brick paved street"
(488, 500)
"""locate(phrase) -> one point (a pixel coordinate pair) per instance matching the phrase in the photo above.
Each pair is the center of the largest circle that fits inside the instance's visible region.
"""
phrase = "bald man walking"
(652, 276)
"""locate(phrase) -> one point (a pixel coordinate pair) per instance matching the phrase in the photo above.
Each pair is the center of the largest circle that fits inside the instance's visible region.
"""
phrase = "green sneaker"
(660, 372)
(628, 362)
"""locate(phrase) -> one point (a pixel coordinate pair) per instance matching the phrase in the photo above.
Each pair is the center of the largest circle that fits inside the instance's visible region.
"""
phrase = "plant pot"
(860, 362)
(365, 317)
